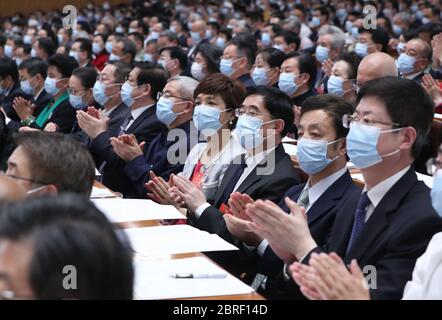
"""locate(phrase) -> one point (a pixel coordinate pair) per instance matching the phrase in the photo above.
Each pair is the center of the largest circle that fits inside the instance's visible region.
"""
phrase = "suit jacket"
(64, 116)
(247, 80)
(156, 158)
(7, 101)
(395, 235)
(145, 128)
(257, 186)
(321, 217)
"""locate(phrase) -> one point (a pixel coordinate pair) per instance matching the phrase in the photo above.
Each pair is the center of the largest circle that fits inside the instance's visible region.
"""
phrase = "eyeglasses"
(2, 173)
(168, 96)
(76, 93)
(433, 165)
(347, 119)
(252, 113)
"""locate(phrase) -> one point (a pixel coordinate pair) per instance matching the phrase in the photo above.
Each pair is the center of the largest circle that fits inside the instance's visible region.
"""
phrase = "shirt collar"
(315, 192)
(254, 160)
(39, 93)
(137, 112)
(377, 193)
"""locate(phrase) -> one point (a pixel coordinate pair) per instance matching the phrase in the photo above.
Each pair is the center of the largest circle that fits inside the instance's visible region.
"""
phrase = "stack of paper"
(153, 280)
(165, 240)
(101, 193)
(130, 210)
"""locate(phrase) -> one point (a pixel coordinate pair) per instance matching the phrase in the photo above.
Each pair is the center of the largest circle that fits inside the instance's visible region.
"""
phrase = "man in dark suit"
(237, 60)
(266, 173)
(33, 73)
(420, 50)
(167, 153)
(139, 94)
(380, 228)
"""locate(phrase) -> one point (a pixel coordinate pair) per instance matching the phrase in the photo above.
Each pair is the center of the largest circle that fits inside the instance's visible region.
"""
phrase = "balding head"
(374, 66)
(10, 190)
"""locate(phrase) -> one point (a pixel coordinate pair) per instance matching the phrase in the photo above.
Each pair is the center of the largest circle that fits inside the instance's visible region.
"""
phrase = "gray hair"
(187, 86)
(337, 34)
(293, 23)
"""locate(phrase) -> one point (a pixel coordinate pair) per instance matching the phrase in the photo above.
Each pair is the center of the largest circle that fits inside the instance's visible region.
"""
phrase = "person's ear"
(422, 63)
(279, 126)
(147, 89)
(292, 47)
(409, 137)
(89, 96)
(342, 147)
(189, 107)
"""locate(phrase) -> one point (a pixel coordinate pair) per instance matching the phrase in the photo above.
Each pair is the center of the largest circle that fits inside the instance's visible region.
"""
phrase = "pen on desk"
(199, 275)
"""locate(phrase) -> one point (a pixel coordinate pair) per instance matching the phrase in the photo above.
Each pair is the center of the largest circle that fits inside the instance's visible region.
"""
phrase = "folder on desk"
(153, 280)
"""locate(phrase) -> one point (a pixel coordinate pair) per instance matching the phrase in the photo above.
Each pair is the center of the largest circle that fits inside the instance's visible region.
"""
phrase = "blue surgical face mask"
(74, 54)
(114, 57)
(425, 20)
(26, 87)
(226, 67)
(312, 155)
(362, 142)
(209, 34)
(419, 15)
(341, 13)
(361, 49)
(109, 46)
(355, 32)
(148, 57)
(287, 83)
(126, 94)
(206, 119)
(321, 53)
(96, 48)
(400, 47)
(436, 193)
(220, 42)
(348, 26)
(99, 93)
(18, 61)
(279, 47)
(8, 50)
(259, 76)
(266, 39)
(196, 37)
(397, 29)
(247, 132)
(77, 102)
(51, 86)
(164, 111)
(316, 22)
(335, 86)
(405, 63)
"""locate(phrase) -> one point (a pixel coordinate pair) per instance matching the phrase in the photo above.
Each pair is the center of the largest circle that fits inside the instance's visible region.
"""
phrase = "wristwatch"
(28, 121)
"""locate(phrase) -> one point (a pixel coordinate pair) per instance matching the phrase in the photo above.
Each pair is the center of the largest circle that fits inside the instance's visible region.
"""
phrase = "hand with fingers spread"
(159, 190)
(305, 276)
(237, 205)
(287, 234)
(327, 67)
(192, 195)
(432, 87)
(243, 230)
(297, 112)
(332, 280)
(24, 108)
(93, 112)
(436, 45)
(126, 147)
(90, 124)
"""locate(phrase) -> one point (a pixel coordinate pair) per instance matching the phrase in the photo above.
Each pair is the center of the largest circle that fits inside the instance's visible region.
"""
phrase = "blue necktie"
(359, 222)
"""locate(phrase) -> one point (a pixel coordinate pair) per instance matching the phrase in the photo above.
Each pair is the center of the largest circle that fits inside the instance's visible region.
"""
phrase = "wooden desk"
(154, 223)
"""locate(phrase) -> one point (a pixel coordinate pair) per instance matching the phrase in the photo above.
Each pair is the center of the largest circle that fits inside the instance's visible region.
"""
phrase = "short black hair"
(212, 55)
(306, 65)
(290, 37)
(323, 10)
(69, 231)
(122, 70)
(8, 67)
(85, 45)
(277, 103)
(353, 61)
(246, 48)
(64, 64)
(407, 104)
(47, 45)
(128, 47)
(379, 36)
(335, 107)
(273, 57)
(179, 54)
(138, 36)
(58, 159)
(35, 66)
(87, 76)
(153, 74)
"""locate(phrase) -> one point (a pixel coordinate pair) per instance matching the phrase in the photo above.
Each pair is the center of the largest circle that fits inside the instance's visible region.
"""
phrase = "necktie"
(303, 200)
(124, 125)
(239, 169)
(359, 222)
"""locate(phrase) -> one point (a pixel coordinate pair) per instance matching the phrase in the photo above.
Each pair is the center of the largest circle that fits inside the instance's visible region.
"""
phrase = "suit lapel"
(227, 179)
(378, 221)
(146, 114)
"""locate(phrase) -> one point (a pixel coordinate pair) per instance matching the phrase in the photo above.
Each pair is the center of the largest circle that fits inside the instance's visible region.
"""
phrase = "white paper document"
(290, 149)
(165, 240)
(153, 280)
(101, 193)
(130, 210)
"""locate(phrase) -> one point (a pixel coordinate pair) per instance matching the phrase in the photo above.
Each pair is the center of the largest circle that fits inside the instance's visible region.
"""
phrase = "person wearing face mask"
(10, 88)
(370, 41)
(237, 61)
(101, 56)
(267, 67)
(214, 119)
(426, 273)
(174, 61)
(133, 93)
(197, 35)
(286, 41)
(386, 134)
(58, 115)
(81, 85)
(123, 49)
(81, 50)
(174, 109)
(224, 36)
(138, 39)
(32, 73)
(415, 59)
(297, 76)
(342, 81)
(265, 172)
(322, 155)
(206, 61)
(319, 19)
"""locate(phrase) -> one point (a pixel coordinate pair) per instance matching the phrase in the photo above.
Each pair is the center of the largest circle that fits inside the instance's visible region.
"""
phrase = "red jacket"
(100, 60)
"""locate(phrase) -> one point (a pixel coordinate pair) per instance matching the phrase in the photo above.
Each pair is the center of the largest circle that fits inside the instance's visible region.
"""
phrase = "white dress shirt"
(136, 113)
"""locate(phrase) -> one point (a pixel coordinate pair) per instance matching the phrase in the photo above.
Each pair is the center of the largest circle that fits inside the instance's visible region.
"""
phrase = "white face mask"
(197, 71)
